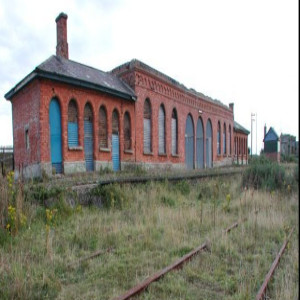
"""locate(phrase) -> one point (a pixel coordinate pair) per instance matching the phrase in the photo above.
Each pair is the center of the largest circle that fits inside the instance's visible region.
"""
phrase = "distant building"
(287, 144)
(272, 144)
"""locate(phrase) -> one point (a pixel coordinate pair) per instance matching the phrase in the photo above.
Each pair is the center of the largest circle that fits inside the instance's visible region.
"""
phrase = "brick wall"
(159, 91)
(25, 113)
(64, 93)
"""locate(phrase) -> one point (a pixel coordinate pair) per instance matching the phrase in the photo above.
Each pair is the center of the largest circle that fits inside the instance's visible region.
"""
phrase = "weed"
(168, 201)
(264, 174)
(182, 187)
(111, 196)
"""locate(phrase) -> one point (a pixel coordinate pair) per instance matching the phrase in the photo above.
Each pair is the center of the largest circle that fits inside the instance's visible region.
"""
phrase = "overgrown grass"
(154, 224)
(262, 173)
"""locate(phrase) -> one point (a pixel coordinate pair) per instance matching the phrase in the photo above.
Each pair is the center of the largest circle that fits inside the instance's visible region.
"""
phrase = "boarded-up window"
(88, 113)
(161, 130)
(115, 122)
(72, 124)
(230, 152)
(127, 132)
(147, 127)
(219, 139)
(102, 127)
(174, 128)
(27, 139)
(224, 139)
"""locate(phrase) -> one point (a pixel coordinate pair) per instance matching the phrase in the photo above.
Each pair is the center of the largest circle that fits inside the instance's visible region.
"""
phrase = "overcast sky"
(238, 51)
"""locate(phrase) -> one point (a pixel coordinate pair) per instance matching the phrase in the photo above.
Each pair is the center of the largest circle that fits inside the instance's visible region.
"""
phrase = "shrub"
(111, 196)
(40, 193)
(183, 187)
(264, 174)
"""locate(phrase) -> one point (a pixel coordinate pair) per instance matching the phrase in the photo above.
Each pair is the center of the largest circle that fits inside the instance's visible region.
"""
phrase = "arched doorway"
(115, 141)
(88, 138)
(55, 135)
(189, 143)
(208, 144)
(200, 145)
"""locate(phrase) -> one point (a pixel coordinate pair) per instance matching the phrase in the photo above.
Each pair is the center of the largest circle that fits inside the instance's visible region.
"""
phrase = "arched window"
(127, 131)
(147, 127)
(219, 139)
(115, 122)
(224, 139)
(161, 130)
(72, 124)
(174, 128)
(230, 140)
(103, 127)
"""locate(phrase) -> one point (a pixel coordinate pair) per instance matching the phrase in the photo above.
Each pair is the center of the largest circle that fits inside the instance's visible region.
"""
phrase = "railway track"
(261, 295)
(156, 178)
(177, 264)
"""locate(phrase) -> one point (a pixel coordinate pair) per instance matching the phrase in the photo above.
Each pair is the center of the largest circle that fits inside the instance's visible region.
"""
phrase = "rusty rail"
(262, 291)
(231, 227)
(143, 285)
(140, 287)
(93, 255)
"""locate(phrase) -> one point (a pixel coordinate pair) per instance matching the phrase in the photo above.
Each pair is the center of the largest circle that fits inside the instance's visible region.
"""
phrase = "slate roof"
(71, 72)
(238, 127)
(271, 135)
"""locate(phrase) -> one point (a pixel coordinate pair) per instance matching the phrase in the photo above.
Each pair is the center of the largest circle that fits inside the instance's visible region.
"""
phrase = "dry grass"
(159, 223)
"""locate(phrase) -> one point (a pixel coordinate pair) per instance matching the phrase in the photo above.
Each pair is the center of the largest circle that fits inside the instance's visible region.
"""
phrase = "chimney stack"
(62, 43)
(265, 131)
(231, 106)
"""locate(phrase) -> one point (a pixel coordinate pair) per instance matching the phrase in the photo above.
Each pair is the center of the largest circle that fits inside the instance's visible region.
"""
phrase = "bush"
(183, 187)
(264, 174)
(40, 193)
(111, 196)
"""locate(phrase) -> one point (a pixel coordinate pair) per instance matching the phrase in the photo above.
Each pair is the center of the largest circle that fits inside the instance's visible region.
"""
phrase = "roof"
(271, 135)
(135, 63)
(68, 71)
(238, 127)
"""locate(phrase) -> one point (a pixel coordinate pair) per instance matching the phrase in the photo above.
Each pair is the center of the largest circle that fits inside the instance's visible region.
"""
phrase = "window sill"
(148, 153)
(129, 151)
(175, 155)
(75, 148)
(104, 149)
(162, 154)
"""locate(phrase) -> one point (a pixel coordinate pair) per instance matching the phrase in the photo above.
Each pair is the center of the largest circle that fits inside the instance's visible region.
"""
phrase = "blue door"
(200, 145)
(115, 152)
(208, 144)
(88, 145)
(189, 143)
(55, 135)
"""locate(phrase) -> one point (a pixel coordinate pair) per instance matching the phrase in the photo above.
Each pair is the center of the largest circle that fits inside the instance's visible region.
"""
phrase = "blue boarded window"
(72, 124)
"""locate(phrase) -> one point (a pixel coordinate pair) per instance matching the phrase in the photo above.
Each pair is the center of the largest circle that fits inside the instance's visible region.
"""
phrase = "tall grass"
(154, 226)
(263, 173)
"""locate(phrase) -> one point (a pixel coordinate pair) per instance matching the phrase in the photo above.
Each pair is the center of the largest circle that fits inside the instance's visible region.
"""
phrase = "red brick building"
(69, 117)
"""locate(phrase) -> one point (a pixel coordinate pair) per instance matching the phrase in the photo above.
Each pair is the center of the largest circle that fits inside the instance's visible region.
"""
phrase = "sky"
(240, 51)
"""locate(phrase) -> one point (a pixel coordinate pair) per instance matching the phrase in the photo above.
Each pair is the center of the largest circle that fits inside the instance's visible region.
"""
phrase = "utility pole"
(256, 134)
(252, 119)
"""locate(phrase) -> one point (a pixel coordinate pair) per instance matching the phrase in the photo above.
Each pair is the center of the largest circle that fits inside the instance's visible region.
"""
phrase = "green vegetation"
(143, 228)
(262, 173)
